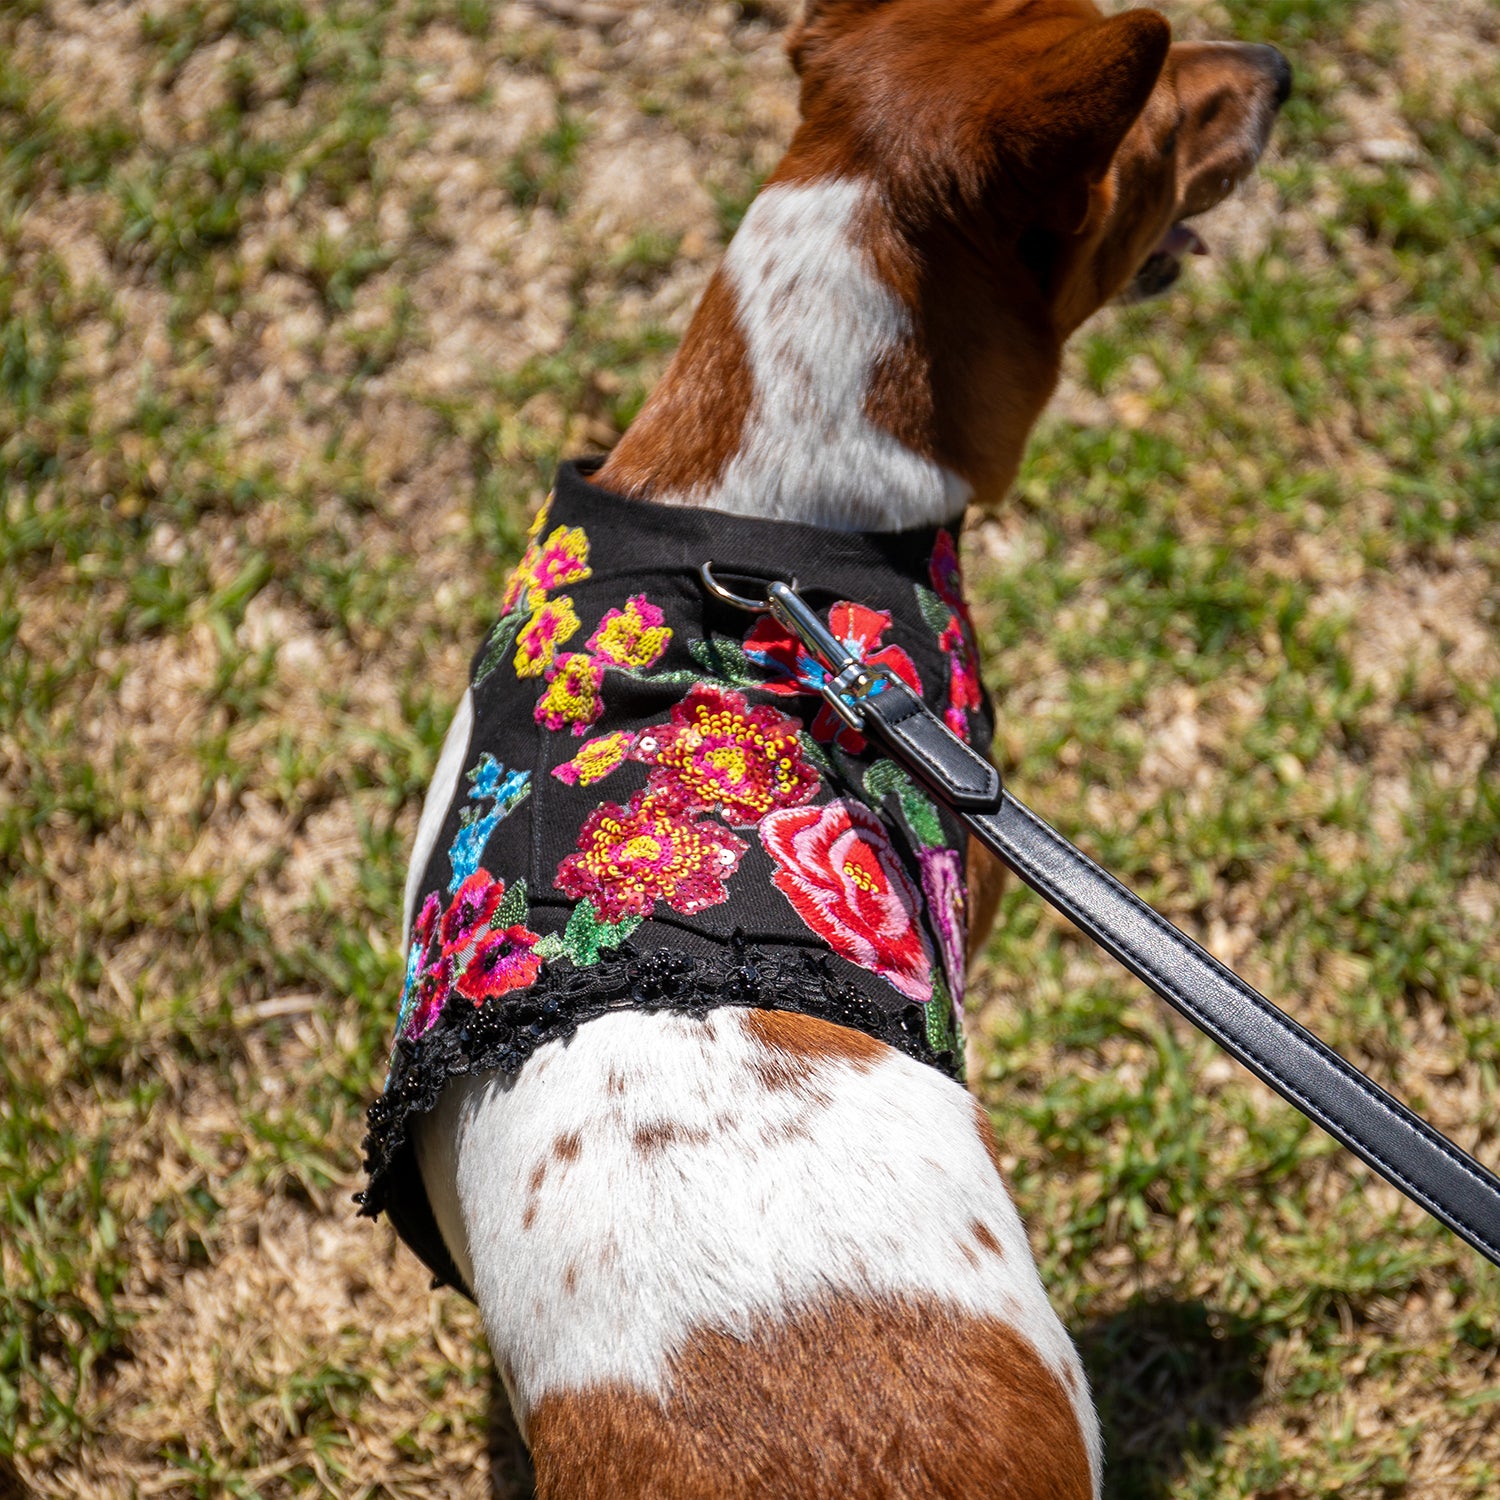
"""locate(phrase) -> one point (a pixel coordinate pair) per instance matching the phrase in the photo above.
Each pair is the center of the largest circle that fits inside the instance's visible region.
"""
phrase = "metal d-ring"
(728, 596)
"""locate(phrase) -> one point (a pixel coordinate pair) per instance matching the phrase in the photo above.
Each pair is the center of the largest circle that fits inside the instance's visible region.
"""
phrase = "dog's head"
(1051, 140)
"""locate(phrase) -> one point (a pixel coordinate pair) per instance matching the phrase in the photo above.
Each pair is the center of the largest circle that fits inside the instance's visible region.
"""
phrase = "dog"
(737, 1247)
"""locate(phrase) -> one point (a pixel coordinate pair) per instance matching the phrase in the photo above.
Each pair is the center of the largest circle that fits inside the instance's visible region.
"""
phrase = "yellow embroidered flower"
(632, 637)
(550, 626)
(572, 695)
(560, 560)
(596, 759)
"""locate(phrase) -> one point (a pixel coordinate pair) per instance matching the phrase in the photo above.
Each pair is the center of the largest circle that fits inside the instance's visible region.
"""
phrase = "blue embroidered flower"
(488, 781)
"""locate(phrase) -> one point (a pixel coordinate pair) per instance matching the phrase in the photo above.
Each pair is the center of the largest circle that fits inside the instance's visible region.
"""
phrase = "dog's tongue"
(1182, 239)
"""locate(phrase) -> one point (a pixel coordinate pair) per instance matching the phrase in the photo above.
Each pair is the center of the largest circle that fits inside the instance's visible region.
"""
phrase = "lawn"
(300, 303)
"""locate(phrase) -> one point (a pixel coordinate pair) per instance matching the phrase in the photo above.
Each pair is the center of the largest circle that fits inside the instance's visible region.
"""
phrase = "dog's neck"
(838, 374)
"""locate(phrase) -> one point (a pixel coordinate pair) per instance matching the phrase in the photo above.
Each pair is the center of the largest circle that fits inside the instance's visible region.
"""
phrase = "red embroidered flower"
(502, 960)
(964, 693)
(477, 900)
(719, 750)
(837, 867)
(426, 923)
(629, 858)
(431, 994)
(859, 630)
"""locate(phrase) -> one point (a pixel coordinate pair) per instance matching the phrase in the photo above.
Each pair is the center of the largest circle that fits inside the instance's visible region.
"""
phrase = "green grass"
(293, 331)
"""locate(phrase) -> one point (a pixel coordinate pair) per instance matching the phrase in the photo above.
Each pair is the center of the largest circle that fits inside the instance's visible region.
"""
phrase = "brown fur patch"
(795, 1049)
(566, 1148)
(657, 1136)
(859, 1399)
(986, 1129)
(987, 1241)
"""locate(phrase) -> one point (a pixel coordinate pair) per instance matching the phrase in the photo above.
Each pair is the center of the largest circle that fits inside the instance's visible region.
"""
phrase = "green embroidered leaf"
(942, 1035)
(587, 934)
(885, 777)
(513, 909)
(549, 945)
(814, 754)
(934, 611)
(723, 660)
(676, 679)
(502, 638)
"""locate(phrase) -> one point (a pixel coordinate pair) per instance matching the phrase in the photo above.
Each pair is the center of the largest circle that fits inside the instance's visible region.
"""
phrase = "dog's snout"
(1281, 74)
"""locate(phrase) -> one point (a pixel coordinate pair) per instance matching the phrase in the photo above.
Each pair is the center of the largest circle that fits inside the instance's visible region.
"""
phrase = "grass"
(299, 305)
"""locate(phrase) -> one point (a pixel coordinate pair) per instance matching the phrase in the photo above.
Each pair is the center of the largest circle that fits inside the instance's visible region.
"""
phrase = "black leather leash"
(1398, 1144)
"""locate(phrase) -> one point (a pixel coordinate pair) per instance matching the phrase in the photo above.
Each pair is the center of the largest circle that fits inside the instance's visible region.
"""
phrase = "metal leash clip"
(847, 681)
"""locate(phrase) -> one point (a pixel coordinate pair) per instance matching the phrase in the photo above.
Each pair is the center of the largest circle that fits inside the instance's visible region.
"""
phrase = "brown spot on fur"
(567, 1147)
(987, 1136)
(616, 1084)
(794, 1049)
(570, 1279)
(857, 1398)
(691, 426)
(650, 1139)
(528, 1218)
(987, 1240)
(538, 1176)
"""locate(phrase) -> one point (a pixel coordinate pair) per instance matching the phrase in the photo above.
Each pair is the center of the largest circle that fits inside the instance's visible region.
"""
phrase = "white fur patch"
(439, 794)
(815, 318)
(642, 1182)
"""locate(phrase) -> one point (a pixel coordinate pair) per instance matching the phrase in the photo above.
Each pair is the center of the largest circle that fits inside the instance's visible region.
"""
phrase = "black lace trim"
(503, 1032)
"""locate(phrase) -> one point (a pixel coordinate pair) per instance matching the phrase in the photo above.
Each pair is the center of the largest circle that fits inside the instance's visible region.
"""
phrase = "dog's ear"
(1085, 95)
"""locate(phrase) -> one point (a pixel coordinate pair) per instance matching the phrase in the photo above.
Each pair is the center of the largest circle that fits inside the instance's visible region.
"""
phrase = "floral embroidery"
(479, 946)
(838, 868)
(488, 779)
(719, 751)
(793, 670)
(597, 758)
(562, 559)
(948, 905)
(633, 637)
(551, 624)
(947, 612)
(629, 858)
(572, 696)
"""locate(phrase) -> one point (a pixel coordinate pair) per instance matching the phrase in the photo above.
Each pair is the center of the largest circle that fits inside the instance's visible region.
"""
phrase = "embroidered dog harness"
(656, 810)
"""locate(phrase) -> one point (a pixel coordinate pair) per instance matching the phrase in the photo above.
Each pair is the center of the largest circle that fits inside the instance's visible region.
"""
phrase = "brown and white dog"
(757, 1255)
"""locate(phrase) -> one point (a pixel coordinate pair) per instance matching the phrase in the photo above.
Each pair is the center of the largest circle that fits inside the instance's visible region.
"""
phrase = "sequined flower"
(546, 565)
(469, 913)
(502, 960)
(793, 670)
(572, 695)
(633, 637)
(836, 865)
(551, 624)
(717, 750)
(629, 858)
(948, 907)
(596, 759)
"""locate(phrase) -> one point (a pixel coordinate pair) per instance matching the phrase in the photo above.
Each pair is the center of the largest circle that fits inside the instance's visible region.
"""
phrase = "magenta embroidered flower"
(629, 858)
(965, 696)
(793, 670)
(426, 924)
(573, 693)
(948, 905)
(596, 759)
(633, 637)
(503, 960)
(719, 750)
(431, 994)
(562, 559)
(838, 868)
(469, 913)
(551, 624)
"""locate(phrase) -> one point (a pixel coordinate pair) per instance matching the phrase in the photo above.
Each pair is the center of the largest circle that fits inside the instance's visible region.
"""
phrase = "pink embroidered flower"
(629, 858)
(572, 695)
(596, 759)
(948, 905)
(503, 960)
(551, 624)
(836, 865)
(947, 576)
(426, 924)
(477, 900)
(719, 750)
(562, 559)
(965, 696)
(633, 637)
(859, 630)
(432, 992)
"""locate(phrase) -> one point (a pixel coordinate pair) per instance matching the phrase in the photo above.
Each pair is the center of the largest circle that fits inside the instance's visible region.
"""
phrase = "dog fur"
(756, 1255)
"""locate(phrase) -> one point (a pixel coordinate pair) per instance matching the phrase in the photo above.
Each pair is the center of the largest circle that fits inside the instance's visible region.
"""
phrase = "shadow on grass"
(1169, 1378)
